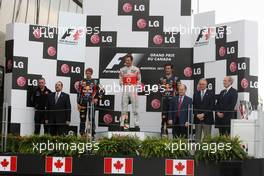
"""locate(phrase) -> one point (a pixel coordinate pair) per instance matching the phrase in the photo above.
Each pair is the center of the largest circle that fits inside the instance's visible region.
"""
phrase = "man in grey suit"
(203, 106)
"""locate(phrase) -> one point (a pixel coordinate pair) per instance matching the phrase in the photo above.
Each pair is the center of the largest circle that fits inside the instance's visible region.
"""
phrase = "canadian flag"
(8, 163)
(179, 167)
(58, 164)
(118, 165)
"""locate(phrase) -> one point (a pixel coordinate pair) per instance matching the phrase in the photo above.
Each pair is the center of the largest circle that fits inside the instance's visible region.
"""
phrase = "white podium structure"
(251, 133)
(139, 135)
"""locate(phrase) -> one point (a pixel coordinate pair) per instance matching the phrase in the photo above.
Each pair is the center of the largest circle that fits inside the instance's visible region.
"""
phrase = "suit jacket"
(61, 111)
(205, 106)
(226, 104)
(184, 114)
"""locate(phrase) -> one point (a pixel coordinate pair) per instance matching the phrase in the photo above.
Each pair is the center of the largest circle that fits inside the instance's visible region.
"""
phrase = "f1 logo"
(200, 35)
(67, 33)
(116, 60)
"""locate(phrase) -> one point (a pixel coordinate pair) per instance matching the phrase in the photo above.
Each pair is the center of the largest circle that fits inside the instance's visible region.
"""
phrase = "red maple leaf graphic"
(179, 167)
(58, 164)
(4, 163)
(118, 165)
(76, 36)
(207, 35)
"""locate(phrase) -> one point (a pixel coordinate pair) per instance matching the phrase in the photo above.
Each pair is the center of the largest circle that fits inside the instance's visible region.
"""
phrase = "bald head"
(202, 84)
(182, 89)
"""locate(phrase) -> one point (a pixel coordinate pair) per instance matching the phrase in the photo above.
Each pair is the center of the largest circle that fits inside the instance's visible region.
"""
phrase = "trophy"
(101, 91)
(245, 109)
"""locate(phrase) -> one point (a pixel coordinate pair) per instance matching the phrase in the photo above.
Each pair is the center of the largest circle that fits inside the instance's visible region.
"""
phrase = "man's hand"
(170, 122)
(186, 124)
(80, 107)
(220, 114)
(46, 121)
(67, 122)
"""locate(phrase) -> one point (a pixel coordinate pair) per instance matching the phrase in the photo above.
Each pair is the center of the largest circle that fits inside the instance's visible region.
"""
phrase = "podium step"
(139, 134)
(118, 128)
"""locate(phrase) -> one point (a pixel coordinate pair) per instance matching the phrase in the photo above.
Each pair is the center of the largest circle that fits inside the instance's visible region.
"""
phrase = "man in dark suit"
(59, 111)
(203, 106)
(180, 113)
(39, 100)
(225, 107)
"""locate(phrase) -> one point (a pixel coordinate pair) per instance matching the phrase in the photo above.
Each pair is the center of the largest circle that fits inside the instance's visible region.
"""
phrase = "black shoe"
(93, 139)
(137, 128)
(121, 128)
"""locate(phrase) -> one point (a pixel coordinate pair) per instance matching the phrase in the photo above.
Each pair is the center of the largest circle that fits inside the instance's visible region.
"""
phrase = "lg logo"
(154, 24)
(210, 86)
(127, 8)
(230, 50)
(107, 39)
(95, 39)
(21, 81)
(139, 8)
(142, 23)
(251, 84)
(242, 66)
(197, 71)
(32, 82)
(226, 51)
(65, 68)
(159, 39)
(106, 103)
(254, 84)
(19, 64)
(75, 70)
(43, 32)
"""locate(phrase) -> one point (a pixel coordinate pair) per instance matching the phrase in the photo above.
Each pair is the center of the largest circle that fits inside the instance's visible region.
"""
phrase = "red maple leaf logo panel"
(8, 163)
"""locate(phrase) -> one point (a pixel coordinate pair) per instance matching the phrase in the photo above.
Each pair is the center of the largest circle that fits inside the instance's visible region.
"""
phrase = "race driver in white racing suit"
(130, 78)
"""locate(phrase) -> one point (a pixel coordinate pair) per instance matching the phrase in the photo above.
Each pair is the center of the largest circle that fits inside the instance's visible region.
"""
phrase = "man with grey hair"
(225, 107)
(203, 106)
(180, 113)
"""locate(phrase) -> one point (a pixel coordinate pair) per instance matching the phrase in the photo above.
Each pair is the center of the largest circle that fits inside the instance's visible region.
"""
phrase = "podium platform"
(250, 132)
(140, 134)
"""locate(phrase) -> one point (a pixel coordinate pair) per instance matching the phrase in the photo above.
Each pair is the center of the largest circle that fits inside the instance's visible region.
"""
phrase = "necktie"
(202, 94)
(225, 91)
(56, 97)
(179, 106)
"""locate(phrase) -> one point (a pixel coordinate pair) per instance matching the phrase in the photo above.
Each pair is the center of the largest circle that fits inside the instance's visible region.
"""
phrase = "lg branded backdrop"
(228, 49)
(151, 30)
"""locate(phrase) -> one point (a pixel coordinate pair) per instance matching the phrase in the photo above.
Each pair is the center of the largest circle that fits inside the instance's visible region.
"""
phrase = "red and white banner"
(58, 164)
(179, 167)
(118, 165)
(8, 163)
